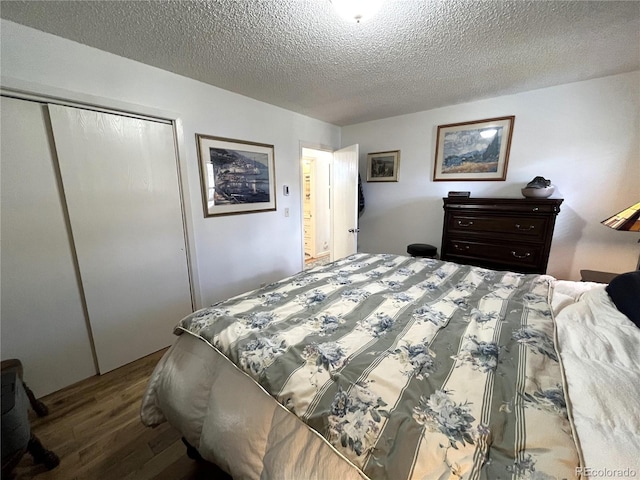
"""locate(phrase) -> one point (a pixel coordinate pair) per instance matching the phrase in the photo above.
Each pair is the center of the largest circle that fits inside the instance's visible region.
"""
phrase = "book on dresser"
(499, 233)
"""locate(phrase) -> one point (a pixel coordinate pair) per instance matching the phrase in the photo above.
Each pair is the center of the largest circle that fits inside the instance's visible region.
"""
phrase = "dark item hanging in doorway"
(360, 196)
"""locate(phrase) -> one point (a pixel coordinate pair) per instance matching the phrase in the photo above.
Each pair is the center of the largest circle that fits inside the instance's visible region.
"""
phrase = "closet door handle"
(354, 230)
(527, 254)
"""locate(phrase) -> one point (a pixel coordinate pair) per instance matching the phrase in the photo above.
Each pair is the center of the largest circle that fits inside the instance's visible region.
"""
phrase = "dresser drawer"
(499, 233)
(514, 257)
(504, 205)
(533, 228)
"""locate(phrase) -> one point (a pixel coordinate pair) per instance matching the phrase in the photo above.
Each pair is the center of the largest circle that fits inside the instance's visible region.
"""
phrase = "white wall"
(232, 254)
(583, 136)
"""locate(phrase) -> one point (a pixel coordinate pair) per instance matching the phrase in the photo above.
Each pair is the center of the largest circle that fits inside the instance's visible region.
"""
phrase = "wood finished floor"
(94, 427)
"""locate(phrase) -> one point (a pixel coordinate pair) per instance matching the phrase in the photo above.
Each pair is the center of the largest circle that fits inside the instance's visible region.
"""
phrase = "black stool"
(422, 250)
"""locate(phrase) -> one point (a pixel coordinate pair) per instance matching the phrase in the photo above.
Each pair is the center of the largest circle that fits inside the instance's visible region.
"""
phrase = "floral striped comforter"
(409, 368)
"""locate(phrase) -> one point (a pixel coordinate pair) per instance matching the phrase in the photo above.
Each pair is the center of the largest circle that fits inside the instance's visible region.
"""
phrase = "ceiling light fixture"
(356, 10)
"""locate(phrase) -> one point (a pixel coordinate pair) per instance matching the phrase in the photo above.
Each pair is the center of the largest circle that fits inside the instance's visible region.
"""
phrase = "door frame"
(321, 148)
(25, 90)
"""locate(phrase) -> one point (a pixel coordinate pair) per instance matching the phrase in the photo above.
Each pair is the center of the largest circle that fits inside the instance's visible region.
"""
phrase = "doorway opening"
(316, 206)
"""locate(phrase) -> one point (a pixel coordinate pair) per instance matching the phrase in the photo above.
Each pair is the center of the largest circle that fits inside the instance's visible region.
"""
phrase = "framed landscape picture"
(236, 176)
(477, 150)
(383, 166)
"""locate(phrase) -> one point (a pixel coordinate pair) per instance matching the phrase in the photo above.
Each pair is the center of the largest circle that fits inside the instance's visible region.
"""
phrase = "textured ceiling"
(412, 55)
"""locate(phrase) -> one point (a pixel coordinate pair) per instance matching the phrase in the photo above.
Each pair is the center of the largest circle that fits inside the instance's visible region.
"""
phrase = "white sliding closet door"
(43, 320)
(121, 187)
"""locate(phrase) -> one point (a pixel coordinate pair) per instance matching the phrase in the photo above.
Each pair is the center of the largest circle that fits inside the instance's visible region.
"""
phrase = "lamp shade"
(627, 220)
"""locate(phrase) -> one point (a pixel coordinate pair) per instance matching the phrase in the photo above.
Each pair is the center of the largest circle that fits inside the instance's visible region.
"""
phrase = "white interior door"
(344, 202)
(43, 319)
(122, 192)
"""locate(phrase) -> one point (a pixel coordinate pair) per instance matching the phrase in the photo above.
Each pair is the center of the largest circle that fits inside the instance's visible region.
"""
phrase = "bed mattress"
(409, 368)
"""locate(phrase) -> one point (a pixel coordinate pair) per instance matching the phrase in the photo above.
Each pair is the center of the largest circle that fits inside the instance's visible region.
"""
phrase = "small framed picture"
(237, 176)
(383, 166)
(477, 150)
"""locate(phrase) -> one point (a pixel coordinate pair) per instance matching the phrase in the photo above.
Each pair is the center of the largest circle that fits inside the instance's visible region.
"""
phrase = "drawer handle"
(521, 256)
(466, 224)
(520, 227)
(458, 247)
(535, 209)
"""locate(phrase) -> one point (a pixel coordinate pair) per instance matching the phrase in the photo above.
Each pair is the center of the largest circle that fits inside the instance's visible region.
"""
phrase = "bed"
(394, 367)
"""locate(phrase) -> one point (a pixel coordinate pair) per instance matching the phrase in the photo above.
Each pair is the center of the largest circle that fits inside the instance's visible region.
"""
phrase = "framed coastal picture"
(477, 150)
(236, 176)
(383, 166)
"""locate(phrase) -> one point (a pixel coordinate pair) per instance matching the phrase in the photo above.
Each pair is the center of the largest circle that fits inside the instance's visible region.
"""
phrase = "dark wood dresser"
(499, 233)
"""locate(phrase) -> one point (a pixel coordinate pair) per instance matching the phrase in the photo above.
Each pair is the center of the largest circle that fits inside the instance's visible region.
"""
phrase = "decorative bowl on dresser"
(500, 233)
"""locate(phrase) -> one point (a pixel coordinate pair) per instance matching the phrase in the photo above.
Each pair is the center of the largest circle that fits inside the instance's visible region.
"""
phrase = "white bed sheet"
(600, 351)
(234, 423)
